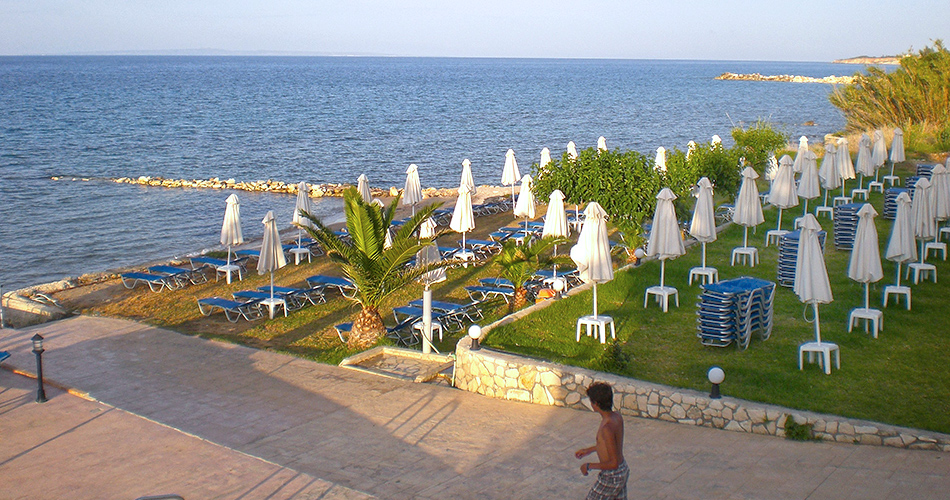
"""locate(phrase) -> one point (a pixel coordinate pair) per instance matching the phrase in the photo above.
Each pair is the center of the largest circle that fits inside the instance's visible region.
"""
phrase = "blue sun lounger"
(155, 282)
(4, 355)
(181, 275)
(401, 333)
(233, 309)
(345, 286)
(300, 296)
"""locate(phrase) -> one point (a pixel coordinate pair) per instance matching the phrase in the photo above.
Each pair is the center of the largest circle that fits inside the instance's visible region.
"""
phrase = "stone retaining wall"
(509, 376)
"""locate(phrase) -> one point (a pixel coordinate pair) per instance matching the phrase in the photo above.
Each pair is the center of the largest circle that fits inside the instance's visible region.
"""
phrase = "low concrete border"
(355, 362)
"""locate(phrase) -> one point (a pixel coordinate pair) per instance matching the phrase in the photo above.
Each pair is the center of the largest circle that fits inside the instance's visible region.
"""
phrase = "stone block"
(557, 392)
(733, 426)
(677, 412)
(518, 395)
(641, 401)
(831, 427)
(676, 397)
(872, 439)
(756, 416)
(654, 398)
(689, 401)
(865, 429)
(572, 398)
(907, 439)
(923, 446)
(550, 379)
(844, 438)
(512, 373)
(727, 413)
(666, 402)
(694, 413)
(843, 428)
(894, 441)
(716, 404)
(741, 415)
(653, 411)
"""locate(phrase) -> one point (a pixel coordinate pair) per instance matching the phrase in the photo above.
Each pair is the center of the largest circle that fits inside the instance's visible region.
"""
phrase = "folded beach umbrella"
(865, 264)
(467, 176)
(428, 255)
(272, 253)
(879, 152)
(427, 228)
(811, 276)
(902, 246)
(897, 148)
(843, 163)
(783, 193)
(412, 191)
(591, 254)
(666, 239)
(571, 150)
(925, 227)
(660, 162)
(715, 141)
(362, 185)
(231, 229)
(940, 192)
(748, 209)
(690, 147)
(800, 155)
(771, 169)
(703, 225)
(601, 143)
(828, 173)
(555, 221)
(809, 187)
(463, 219)
(510, 175)
(863, 165)
(303, 205)
(543, 163)
(525, 206)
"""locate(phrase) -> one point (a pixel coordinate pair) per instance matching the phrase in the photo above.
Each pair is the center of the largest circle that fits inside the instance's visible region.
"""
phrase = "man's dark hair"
(602, 395)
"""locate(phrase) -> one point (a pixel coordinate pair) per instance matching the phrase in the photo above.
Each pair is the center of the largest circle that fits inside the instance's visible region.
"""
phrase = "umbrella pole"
(745, 236)
(704, 255)
(555, 263)
(898, 273)
(526, 228)
(922, 254)
(595, 300)
(299, 231)
(427, 320)
(228, 267)
(817, 323)
(892, 169)
(463, 241)
(779, 219)
(662, 271)
(806, 208)
(825, 203)
(867, 295)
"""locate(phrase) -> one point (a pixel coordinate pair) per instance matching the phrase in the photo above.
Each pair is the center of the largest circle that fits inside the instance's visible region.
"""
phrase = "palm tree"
(376, 270)
(519, 261)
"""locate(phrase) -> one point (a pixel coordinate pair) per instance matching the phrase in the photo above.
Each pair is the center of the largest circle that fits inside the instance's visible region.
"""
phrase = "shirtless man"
(612, 480)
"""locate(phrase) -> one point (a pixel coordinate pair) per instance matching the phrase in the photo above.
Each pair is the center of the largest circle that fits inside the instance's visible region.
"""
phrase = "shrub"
(798, 432)
(757, 142)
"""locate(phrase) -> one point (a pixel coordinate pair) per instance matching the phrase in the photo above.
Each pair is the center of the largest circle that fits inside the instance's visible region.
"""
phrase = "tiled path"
(341, 429)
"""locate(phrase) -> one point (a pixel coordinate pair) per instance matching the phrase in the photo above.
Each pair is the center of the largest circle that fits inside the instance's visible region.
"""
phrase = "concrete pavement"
(349, 432)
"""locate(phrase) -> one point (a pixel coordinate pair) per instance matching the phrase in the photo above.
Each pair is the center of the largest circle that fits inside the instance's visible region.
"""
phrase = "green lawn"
(902, 378)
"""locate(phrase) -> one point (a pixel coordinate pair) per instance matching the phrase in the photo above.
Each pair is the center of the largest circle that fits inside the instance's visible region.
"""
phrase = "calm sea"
(322, 120)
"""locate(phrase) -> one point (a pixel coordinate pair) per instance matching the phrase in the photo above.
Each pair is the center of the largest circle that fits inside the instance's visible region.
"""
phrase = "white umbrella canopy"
(863, 164)
(303, 204)
(748, 210)
(800, 155)
(591, 254)
(510, 175)
(660, 162)
(865, 264)
(879, 151)
(231, 228)
(571, 150)
(771, 170)
(783, 193)
(690, 147)
(715, 141)
(902, 246)
(811, 276)
(940, 192)
(703, 225)
(362, 185)
(555, 221)
(897, 146)
(828, 173)
(427, 228)
(545, 159)
(525, 206)
(843, 163)
(601, 143)
(467, 176)
(272, 253)
(666, 239)
(809, 187)
(463, 219)
(429, 254)
(412, 191)
(925, 227)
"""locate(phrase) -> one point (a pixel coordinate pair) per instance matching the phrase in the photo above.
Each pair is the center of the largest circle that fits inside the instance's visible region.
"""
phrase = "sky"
(805, 30)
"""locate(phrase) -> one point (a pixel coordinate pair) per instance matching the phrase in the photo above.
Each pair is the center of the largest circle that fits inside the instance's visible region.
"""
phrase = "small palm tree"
(519, 261)
(376, 270)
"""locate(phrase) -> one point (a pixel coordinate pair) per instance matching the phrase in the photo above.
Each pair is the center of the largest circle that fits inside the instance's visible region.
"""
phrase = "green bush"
(915, 94)
(757, 142)
(798, 432)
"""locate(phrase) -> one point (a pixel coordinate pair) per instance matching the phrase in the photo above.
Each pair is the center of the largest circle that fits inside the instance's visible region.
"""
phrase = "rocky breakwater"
(755, 77)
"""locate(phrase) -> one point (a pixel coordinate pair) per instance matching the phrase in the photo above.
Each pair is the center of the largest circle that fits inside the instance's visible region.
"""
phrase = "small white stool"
(893, 180)
(944, 231)
(938, 247)
(435, 326)
(774, 234)
(228, 269)
(859, 191)
(464, 256)
(825, 209)
(824, 350)
(873, 320)
(920, 271)
(747, 255)
(272, 304)
(841, 200)
(663, 294)
(704, 275)
(898, 291)
(298, 253)
(876, 185)
(599, 323)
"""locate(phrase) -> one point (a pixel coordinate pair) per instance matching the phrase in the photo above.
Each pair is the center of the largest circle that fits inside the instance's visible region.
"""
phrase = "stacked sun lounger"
(890, 201)
(910, 182)
(924, 170)
(845, 225)
(730, 311)
(788, 256)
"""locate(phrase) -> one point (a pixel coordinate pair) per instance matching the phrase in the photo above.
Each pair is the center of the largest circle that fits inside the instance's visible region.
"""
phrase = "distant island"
(870, 60)
(755, 77)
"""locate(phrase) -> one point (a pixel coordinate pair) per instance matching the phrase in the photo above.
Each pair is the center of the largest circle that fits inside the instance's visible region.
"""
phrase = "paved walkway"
(336, 429)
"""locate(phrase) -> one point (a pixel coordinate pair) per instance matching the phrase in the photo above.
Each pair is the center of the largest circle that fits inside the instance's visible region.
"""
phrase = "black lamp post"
(38, 350)
(475, 333)
(716, 376)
